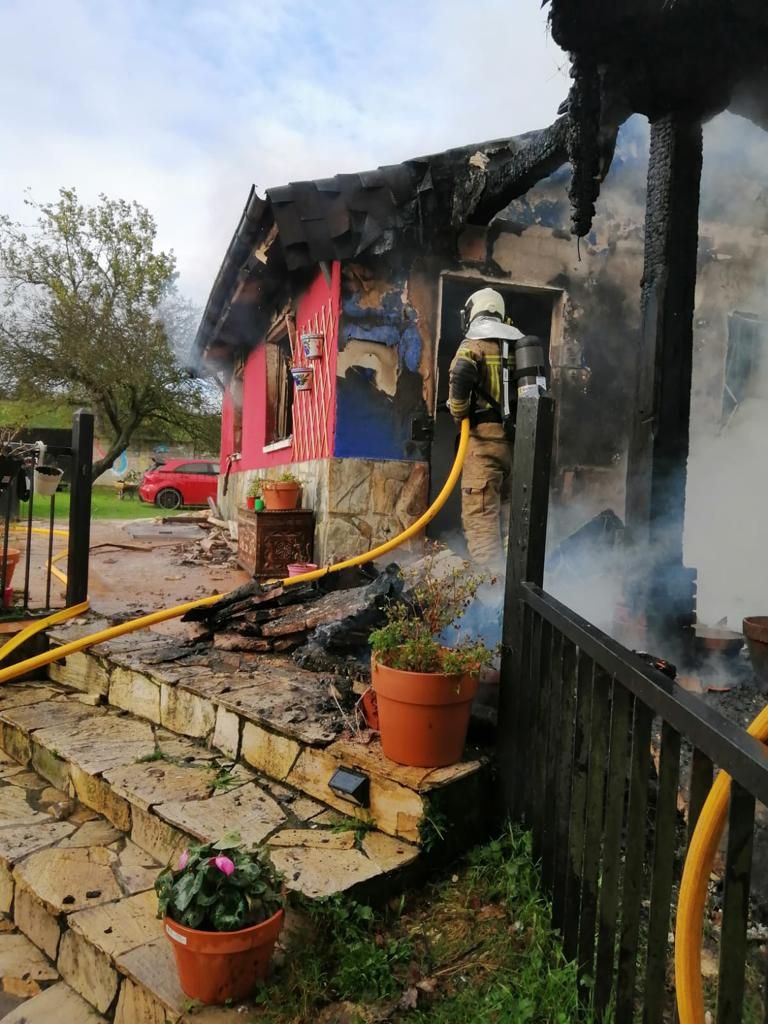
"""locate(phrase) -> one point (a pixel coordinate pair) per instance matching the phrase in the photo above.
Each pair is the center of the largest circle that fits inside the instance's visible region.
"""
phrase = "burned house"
(377, 265)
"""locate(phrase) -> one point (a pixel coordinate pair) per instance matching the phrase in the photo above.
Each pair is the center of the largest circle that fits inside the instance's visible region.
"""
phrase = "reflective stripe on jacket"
(476, 369)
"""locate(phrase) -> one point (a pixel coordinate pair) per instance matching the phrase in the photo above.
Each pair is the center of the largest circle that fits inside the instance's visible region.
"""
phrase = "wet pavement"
(135, 567)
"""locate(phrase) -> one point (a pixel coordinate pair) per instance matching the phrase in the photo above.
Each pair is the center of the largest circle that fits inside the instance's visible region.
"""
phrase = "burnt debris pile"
(326, 623)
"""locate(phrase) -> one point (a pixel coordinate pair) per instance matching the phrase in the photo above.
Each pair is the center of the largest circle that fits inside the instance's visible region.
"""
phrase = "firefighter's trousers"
(486, 483)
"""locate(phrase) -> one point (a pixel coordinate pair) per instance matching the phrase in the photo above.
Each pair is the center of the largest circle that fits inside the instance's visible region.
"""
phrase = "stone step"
(79, 938)
(77, 904)
(161, 790)
(277, 718)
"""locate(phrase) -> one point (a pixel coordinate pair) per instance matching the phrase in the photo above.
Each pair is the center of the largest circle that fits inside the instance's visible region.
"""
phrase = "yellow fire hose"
(40, 660)
(693, 889)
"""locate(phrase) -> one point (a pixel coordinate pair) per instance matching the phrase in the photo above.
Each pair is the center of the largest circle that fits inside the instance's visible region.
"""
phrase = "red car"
(180, 482)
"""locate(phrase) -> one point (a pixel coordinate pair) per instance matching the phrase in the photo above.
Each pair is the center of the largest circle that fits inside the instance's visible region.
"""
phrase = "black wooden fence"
(609, 762)
(598, 738)
(22, 518)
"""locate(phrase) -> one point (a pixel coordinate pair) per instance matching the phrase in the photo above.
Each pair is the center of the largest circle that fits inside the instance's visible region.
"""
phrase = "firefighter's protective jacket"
(476, 380)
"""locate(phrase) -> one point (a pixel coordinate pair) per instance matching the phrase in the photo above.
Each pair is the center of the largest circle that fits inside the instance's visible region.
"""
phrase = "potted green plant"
(282, 494)
(253, 496)
(223, 912)
(424, 688)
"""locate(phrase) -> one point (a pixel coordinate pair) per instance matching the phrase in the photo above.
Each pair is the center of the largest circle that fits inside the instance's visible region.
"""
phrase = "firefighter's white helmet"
(486, 302)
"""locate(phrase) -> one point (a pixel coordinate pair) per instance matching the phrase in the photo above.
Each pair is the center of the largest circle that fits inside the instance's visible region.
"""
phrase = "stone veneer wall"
(358, 503)
(370, 501)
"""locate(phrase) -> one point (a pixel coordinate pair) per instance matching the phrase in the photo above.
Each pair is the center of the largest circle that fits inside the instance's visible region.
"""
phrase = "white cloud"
(181, 105)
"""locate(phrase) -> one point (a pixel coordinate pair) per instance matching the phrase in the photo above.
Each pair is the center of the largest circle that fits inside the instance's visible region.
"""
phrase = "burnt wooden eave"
(282, 239)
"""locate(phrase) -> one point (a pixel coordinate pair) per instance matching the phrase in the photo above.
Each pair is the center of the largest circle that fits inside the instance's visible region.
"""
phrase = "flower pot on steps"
(423, 716)
(216, 967)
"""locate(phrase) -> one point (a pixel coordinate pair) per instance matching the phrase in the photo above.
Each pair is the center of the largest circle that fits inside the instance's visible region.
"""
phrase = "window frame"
(278, 426)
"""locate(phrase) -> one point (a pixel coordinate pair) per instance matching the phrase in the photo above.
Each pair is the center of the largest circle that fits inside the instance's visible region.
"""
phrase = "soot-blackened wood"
(634, 862)
(621, 711)
(554, 728)
(525, 562)
(733, 936)
(515, 750)
(532, 683)
(564, 762)
(584, 680)
(664, 850)
(539, 737)
(702, 773)
(593, 828)
(80, 507)
(658, 450)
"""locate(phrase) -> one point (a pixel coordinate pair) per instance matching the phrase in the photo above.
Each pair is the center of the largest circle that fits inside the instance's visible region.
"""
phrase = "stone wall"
(369, 502)
(358, 503)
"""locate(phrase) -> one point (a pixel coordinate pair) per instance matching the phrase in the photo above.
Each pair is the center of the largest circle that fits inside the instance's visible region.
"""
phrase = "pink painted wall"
(314, 412)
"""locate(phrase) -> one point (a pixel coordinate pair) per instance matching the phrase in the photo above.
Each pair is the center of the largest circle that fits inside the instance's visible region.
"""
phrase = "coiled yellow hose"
(693, 889)
(40, 660)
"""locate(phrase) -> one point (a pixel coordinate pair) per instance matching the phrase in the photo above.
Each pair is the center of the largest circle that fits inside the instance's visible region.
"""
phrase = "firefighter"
(482, 379)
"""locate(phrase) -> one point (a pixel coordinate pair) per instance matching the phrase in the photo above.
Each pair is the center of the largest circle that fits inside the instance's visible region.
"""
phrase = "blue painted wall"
(371, 424)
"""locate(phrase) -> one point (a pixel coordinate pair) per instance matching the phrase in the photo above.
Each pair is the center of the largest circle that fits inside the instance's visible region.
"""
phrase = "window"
(190, 467)
(236, 394)
(279, 386)
(745, 360)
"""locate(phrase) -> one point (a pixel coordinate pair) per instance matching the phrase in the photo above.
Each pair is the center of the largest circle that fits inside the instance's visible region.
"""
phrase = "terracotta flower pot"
(423, 716)
(12, 559)
(214, 967)
(281, 495)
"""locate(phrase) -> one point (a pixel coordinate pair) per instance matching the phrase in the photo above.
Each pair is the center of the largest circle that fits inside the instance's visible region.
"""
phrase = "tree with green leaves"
(91, 315)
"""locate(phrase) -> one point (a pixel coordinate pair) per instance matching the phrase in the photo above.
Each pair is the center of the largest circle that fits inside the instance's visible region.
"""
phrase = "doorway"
(531, 311)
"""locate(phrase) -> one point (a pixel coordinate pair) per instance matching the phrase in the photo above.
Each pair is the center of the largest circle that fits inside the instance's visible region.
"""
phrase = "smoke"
(726, 528)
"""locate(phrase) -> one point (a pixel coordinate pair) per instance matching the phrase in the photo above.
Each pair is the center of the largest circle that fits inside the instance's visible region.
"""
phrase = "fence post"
(525, 563)
(80, 507)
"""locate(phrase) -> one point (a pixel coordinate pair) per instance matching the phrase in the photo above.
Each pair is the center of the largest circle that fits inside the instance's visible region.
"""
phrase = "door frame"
(556, 323)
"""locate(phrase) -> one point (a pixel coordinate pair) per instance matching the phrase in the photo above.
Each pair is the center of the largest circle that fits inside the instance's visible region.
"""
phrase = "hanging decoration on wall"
(303, 377)
(312, 343)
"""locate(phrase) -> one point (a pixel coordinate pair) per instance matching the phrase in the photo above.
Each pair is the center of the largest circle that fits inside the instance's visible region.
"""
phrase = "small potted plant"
(253, 498)
(223, 912)
(47, 480)
(282, 494)
(424, 688)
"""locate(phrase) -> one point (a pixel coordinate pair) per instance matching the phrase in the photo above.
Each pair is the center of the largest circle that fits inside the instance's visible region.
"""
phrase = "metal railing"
(28, 522)
(611, 763)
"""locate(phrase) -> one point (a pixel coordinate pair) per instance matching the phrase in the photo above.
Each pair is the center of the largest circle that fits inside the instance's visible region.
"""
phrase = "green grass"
(476, 947)
(105, 505)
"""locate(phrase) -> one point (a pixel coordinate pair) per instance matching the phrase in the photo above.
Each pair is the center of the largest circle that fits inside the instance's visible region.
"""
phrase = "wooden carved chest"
(267, 542)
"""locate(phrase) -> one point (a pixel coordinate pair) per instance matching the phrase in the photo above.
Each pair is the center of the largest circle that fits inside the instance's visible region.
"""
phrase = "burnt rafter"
(496, 177)
(301, 225)
(693, 58)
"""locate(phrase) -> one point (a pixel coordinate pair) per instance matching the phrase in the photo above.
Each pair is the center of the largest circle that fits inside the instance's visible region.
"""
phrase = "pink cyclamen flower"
(224, 864)
(183, 860)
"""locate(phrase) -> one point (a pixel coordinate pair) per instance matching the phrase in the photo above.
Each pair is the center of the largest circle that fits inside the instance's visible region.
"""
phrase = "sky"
(183, 105)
